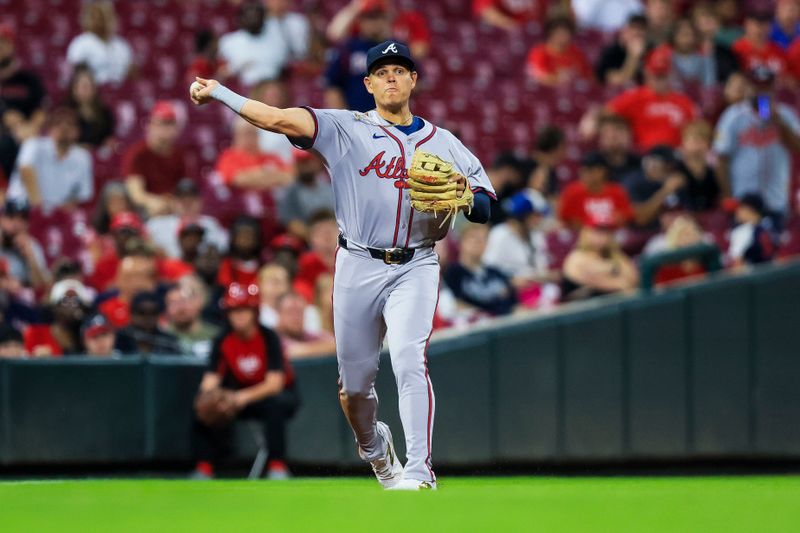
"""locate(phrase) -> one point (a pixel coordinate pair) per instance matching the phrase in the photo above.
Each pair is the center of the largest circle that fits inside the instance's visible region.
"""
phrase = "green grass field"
(702, 504)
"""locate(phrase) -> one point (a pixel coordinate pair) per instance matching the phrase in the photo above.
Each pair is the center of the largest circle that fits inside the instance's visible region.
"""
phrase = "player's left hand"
(461, 184)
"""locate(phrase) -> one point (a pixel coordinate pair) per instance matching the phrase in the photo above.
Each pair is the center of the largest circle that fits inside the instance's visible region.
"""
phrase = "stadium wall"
(704, 371)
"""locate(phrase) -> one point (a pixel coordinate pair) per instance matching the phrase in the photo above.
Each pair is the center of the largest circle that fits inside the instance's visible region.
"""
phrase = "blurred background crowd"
(611, 129)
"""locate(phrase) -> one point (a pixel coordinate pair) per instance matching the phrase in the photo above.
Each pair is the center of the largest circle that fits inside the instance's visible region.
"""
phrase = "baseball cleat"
(388, 469)
(414, 484)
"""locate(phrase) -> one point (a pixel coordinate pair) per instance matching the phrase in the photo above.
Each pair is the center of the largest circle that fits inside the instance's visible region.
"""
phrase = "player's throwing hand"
(200, 90)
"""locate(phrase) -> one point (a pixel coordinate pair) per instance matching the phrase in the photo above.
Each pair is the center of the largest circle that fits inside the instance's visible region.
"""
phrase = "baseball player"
(396, 180)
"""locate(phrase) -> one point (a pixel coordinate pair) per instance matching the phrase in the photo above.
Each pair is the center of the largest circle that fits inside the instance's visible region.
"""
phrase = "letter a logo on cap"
(390, 48)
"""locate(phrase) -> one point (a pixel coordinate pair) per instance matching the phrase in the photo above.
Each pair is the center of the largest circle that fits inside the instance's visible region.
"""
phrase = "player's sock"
(204, 467)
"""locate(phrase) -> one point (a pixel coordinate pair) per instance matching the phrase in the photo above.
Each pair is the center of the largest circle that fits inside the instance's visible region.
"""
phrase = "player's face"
(391, 85)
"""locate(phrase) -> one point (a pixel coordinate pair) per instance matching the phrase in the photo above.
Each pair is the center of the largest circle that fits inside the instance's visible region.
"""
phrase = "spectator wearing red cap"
(69, 301)
(153, 166)
(186, 204)
(593, 196)
(310, 192)
(656, 113)
(786, 26)
(137, 271)
(101, 339)
(323, 234)
(558, 61)
(53, 171)
(22, 96)
(409, 27)
(248, 359)
(123, 227)
(754, 49)
(596, 265)
(298, 342)
(509, 14)
(107, 55)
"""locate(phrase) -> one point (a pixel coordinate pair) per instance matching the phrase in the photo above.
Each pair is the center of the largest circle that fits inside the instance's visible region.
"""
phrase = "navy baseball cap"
(396, 51)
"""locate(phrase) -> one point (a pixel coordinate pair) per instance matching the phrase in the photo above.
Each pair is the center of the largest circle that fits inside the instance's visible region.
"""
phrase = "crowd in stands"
(611, 130)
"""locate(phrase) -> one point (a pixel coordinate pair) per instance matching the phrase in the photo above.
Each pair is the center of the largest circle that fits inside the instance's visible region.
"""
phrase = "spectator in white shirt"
(106, 54)
(605, 15)
(518, 247)
(54, 171)
(294, 27)
(257, 51)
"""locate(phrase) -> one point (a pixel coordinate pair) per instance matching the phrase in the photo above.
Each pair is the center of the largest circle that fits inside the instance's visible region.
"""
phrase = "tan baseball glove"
(432, 188)
(215, 408)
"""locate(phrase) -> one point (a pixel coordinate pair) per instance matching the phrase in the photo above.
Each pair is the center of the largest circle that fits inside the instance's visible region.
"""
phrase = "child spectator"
(474, 284)
(690, 64)
(753, 240)
(679, 230)
(247, 359)
(52, 171)
(702, 190)
(558, 61)
(297, 341)
(95, 119)
(154, 165)
(594, 197)
(754, 49)
(99, 47)
(100, 339)
(596, 266)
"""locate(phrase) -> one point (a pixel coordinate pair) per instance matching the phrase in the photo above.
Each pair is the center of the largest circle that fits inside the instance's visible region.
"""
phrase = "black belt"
(390, 256)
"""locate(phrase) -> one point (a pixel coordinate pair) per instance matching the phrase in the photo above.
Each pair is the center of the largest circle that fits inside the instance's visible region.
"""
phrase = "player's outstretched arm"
(293, 122)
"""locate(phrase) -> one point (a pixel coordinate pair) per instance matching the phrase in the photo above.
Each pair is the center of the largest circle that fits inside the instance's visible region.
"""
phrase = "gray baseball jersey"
(368, 158)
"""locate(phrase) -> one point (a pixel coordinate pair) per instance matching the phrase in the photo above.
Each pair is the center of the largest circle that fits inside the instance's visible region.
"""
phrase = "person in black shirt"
(614, 143)
(95, 118)
(150, 339)
(655, 186)
(21, 98)
(474, 284)
(702, 189)
(539, 169)
(248, 359)
(620, 64)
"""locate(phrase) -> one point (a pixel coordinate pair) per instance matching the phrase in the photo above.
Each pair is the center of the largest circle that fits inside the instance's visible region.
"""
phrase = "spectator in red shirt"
(558, 61)
(323, 234)
(248, 360)
(409, 27)
(656, 113)
(245, 165)
(137, 272)
(754, 48)
(793, 59)
(244, 256)
(594, 197)
(298, 342)
(153, 166)
(509, 14)
(124, 226)
(69, 301)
